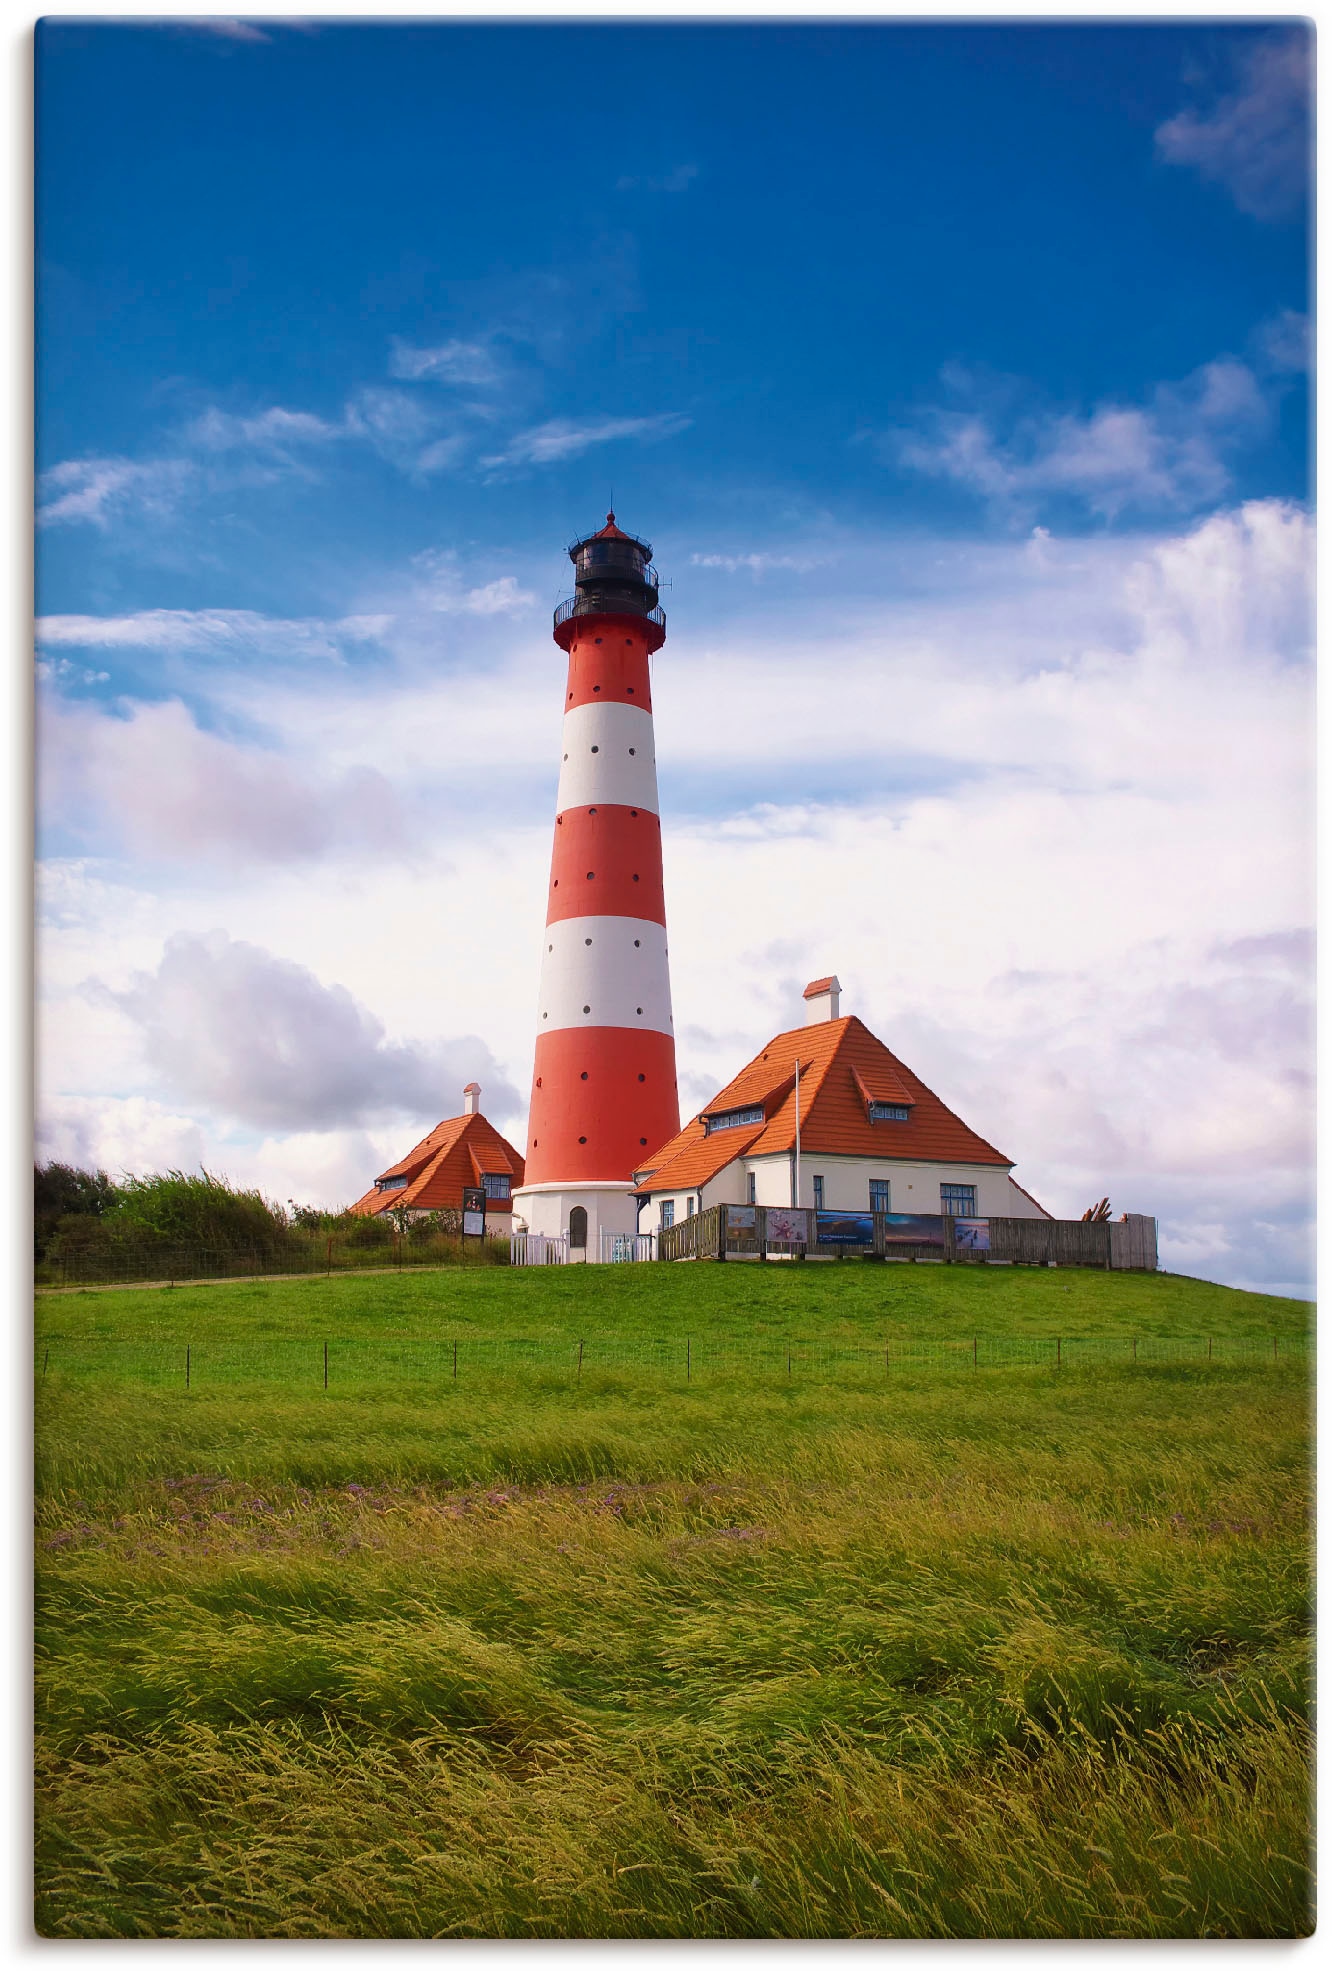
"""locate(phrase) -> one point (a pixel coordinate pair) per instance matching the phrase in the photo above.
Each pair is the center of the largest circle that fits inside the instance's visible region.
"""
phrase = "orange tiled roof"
(451, 1158)
(842, 1066)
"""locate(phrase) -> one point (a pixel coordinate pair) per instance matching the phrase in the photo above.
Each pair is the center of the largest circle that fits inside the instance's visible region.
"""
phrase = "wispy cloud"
(755, 564)
(275, 429)
(450, 362)
(246, 1034)
(564, 438)
(211, 633)
(98, 490)
(677, 180)
(1256, 140)
(1167, 455)
(227, 27)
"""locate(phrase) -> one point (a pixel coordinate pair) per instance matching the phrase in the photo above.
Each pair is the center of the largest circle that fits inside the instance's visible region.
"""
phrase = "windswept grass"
(1017, 1652)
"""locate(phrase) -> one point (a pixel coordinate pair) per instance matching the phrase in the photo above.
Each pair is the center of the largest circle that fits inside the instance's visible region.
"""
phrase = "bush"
(63, 1194)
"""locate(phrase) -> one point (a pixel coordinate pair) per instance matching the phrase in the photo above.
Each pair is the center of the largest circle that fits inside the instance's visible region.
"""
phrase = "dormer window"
(498, 1185)
(390, 1183)
(733, 1118)
(889, 1112)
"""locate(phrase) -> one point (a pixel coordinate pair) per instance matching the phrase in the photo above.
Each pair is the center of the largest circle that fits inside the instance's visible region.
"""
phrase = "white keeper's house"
(871, 1136)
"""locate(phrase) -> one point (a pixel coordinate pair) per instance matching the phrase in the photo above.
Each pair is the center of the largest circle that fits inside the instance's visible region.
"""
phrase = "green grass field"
(823, 1601)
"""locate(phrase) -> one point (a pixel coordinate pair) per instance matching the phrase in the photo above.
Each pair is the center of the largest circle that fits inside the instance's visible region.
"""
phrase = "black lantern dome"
(613, 576)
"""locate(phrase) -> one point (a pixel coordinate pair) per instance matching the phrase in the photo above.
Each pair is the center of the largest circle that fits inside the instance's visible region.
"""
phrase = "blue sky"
(957, 374)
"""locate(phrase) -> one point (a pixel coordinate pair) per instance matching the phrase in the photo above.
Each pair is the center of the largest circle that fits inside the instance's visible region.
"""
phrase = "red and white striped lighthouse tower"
(603, 1085)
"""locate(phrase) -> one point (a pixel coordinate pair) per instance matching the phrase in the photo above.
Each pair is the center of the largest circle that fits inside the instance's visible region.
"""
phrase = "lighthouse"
(603, 1082)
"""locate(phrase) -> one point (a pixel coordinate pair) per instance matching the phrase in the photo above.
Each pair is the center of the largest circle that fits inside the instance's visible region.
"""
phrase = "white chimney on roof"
(472, 1099)
(822, 999)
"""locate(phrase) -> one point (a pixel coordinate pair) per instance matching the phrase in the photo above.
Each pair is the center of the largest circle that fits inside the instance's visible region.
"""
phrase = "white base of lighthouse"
(548, 1208)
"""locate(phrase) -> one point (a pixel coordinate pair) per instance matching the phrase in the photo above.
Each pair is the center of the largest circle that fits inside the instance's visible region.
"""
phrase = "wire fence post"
(788, 1361)
(187, 1365)
(885, 1361)
(325, 1365)
(1135, 1348)
(1274, 1348)
(580, 1361)
(455, 1361)
(975, 1356)
(689, 1361)
(1209, 1348)
(1059, 1351)
(45, 1359)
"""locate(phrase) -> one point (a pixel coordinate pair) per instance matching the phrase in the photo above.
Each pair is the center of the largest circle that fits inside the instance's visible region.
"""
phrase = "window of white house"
(498, 1184)
(753, 1187)
(818, 1194)
(733, 1118)
(667, 1212)
(957, 1200)
(689, 1206)
(889, 1112)
(881, 1192)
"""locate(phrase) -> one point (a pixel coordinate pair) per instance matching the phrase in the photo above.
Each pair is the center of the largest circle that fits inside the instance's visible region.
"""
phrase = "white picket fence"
(621, 1248)
(546, 1249)
(538, 1249)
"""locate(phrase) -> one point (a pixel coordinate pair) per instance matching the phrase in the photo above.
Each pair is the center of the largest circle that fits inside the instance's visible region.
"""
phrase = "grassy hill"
(786, 1637)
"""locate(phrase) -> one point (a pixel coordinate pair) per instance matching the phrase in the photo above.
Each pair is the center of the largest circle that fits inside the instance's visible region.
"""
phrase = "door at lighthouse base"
(578, 1233)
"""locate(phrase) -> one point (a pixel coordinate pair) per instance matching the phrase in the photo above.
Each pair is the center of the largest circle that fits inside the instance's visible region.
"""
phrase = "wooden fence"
(731, 1232)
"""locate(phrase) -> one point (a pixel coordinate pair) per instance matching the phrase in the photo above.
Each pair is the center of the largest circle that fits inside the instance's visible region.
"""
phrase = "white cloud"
(211, 633)
(153, 784)
(563, 438)
(241, 1033)
(1255, 141)
(275, 430)
(1285, 343)
(98, 490)
(127, 1136)
(1168, 456)
(470, 363)
(756, 563)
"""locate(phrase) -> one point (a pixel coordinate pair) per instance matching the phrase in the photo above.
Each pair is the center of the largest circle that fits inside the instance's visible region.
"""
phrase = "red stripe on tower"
(603, 1089)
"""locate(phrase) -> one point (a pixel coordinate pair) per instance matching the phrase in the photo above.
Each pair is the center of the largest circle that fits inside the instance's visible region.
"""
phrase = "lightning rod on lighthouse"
(603, 1084)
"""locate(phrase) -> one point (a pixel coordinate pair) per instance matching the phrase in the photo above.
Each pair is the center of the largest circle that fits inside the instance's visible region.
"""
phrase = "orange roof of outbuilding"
(842, 1067)
(453, 1157)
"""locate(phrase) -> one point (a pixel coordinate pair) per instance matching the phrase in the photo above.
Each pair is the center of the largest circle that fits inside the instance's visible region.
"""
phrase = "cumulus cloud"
(440, 588)
(153, 784)
(1168, 455)
(470, 363)
(130, 1135)
(245, 1034)
(564, 438)
(1255, 141)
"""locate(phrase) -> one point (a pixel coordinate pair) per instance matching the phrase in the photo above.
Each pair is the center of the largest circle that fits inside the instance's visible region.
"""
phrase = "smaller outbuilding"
(463, 1153)
(826, 1116)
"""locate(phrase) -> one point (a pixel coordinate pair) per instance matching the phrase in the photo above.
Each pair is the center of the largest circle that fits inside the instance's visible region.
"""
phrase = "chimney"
(822, 998)
(472, 1099)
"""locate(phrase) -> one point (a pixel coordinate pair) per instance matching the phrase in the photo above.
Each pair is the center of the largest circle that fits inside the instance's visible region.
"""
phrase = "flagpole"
(797, 1120)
